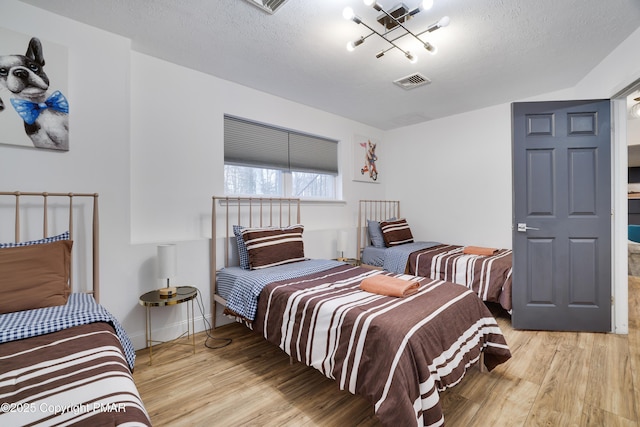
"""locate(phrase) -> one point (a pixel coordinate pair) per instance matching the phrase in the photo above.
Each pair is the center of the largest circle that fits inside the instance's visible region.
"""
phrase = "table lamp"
(167, 267)
(342, 244)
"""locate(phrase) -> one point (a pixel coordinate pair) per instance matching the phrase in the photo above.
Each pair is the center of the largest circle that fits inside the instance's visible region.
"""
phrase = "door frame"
(619, 233)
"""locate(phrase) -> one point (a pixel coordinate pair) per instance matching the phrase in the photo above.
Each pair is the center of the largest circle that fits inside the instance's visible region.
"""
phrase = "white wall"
(463, 165)
(98, 159)
(147, 136)
(459, 174)
(177, 150)
(177, 159)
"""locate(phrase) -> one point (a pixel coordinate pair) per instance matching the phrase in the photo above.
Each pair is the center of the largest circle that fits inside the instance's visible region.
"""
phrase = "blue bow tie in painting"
(29, 111)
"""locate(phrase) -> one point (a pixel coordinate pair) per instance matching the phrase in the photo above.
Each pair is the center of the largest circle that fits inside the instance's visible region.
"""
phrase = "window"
(249, 180)
(265, 160)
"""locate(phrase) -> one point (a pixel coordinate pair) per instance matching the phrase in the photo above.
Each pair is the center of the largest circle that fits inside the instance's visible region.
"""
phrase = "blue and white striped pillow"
(63, 236)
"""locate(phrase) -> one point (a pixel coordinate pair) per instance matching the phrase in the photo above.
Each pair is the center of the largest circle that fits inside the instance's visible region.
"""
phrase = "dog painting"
(29, 97)
(366, 159)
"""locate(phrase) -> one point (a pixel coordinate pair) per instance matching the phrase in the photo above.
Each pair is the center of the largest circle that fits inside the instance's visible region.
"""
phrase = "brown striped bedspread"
(490, 277)
(399, 353)
(77, 376)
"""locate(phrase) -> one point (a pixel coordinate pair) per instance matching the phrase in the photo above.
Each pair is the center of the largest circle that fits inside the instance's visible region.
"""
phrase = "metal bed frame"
(249, 212)
(374, 210)
(16, 197)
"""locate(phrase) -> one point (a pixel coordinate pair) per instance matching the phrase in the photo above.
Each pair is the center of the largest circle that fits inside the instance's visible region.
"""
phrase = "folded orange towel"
(389, 286)
(477, 250)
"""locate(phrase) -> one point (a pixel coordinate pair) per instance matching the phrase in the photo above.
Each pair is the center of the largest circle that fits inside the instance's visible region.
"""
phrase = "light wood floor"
(553, 379)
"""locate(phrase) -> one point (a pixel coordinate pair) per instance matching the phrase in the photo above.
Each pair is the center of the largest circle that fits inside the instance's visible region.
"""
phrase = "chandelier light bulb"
(426, 5)
(352, 45)
(348, 13)
(373, 4)
(444, 21)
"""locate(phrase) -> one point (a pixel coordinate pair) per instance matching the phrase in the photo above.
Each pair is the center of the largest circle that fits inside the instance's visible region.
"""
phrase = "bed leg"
(290, 360)
(483, 368)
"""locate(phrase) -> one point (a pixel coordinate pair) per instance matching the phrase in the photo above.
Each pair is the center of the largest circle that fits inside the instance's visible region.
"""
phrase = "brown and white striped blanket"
(77, 376)
(488, 276)
(396, 352)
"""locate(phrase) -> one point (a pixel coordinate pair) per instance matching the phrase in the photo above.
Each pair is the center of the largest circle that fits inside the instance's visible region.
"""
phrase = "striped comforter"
(489, 277)
(396, 352)
(76, 375)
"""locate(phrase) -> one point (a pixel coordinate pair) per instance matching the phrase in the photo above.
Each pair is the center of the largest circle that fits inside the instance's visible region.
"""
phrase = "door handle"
(522, 227)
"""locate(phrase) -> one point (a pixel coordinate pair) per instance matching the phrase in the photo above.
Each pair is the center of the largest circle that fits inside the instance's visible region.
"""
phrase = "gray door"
(562, 215)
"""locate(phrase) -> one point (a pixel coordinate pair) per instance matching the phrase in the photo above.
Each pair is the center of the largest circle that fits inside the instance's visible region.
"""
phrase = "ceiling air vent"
(412, 81)
(269, 6)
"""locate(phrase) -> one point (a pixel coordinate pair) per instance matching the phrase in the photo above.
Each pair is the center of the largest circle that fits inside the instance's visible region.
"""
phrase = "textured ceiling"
(494, 51)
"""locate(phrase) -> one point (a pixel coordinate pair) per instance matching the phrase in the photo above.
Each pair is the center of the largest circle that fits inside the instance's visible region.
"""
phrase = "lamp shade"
(167, 261)
(342, 241)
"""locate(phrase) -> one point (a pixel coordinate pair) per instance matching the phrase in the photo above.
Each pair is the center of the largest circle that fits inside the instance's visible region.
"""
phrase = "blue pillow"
(375, 234)
(243, 254)
(63, 236)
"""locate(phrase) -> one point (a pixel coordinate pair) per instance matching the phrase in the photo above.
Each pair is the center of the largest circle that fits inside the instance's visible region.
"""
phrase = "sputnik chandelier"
(393, 20)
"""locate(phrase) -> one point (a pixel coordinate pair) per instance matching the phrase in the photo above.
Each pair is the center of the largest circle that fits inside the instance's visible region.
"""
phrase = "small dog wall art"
(366, 168)
(30, 100)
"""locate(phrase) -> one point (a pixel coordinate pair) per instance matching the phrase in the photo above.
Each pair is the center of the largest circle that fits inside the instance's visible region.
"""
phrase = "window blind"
(254, 144)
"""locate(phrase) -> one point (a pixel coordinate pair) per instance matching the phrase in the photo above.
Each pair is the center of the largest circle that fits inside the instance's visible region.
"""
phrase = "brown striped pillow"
(268, 247)
(396, 232)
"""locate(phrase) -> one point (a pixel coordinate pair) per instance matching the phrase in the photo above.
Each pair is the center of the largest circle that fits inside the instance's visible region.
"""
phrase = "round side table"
(154, 299)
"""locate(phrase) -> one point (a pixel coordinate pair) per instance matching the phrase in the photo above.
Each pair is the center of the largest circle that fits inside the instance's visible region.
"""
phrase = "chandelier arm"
(428, 30)
(382, 37)
(391, 41)
(383, 51)
(401, 36)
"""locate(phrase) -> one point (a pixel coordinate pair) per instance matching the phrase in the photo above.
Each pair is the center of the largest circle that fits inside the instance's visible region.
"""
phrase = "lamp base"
(168, 292)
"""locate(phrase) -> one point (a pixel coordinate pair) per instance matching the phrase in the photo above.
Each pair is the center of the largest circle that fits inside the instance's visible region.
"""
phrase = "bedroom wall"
(177, 160)
(463, 165)
(98, 160)
(147, 135)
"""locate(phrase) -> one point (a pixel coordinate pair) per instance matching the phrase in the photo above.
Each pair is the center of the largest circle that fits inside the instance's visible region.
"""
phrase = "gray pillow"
(375, 233)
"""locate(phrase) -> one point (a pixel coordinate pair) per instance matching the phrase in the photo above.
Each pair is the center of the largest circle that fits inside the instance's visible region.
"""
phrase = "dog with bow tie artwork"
(45, 112)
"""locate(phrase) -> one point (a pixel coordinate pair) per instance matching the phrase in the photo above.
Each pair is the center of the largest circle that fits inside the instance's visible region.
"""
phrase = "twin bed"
(398, 352)
(385, 241)
(64, 359)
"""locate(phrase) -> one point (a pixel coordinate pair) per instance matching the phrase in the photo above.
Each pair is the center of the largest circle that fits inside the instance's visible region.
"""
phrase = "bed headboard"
(374, 210)
(22, 206)
(249, 212)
